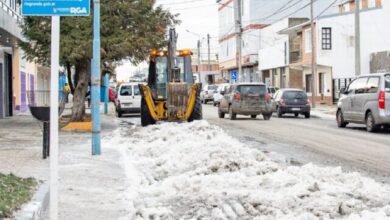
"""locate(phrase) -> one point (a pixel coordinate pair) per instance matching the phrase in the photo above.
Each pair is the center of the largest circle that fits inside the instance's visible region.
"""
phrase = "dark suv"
(246, 99)
(291, 101)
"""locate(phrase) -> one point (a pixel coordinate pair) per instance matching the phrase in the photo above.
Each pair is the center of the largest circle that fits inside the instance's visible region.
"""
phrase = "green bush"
(14, 192)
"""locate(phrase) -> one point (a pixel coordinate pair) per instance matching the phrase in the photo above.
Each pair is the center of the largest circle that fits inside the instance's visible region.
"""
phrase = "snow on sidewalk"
(196, 171)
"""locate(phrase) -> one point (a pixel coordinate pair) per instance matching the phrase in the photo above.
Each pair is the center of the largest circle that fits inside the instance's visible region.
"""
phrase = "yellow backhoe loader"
(171, 94)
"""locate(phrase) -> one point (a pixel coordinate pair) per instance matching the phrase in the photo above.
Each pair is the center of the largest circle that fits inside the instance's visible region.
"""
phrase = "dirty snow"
(197, 171)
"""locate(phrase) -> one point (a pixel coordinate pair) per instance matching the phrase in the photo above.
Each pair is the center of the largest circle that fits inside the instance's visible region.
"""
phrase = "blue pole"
(95, 80)
(106, 99)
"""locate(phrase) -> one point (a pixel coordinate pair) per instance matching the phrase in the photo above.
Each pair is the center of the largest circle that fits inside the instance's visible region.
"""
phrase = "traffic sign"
(55, 7)
(233, 75)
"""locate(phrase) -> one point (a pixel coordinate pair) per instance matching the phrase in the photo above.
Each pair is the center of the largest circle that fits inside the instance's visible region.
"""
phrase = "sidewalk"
(324, 112)
(21, 147)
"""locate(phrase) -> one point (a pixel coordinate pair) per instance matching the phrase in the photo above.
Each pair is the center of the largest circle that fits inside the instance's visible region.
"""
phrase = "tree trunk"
(78, 110)
(70, 82)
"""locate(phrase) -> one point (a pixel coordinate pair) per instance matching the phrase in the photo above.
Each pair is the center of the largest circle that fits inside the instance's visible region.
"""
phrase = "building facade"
(228, 59)
(277, 52)
(202, 72)
(17, 75)
(336, 46)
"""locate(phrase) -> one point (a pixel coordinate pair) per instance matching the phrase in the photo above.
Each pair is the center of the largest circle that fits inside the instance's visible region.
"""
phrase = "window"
(308, 42)
(289, 95)
(309, 78)
(136, 90)
(387, 81)
(358, 86)
(326, 38)
(252, 90)
(373, 84)
(126, 91)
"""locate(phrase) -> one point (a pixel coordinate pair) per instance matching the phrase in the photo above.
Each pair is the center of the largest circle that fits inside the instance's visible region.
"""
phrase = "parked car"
(365, 101)
(246, 99)
(291, 101)
(272, 90)
(207, 93)
(111, 94)
(218, 95)
(128, 99)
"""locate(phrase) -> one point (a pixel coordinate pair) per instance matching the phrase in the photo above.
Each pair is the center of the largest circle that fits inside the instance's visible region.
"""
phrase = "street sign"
(233, 75)
(55, 7)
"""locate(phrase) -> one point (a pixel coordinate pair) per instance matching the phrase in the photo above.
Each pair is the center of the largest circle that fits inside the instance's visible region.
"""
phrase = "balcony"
(295, 56)
(10, 20)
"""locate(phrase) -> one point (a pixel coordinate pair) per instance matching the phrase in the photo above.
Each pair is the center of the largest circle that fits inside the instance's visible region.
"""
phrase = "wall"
(380, 62)
(341, 57)
(272, 46)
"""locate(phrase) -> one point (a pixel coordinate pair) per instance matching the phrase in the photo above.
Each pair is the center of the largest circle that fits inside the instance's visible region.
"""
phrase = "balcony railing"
(295, 56)
(16, 15)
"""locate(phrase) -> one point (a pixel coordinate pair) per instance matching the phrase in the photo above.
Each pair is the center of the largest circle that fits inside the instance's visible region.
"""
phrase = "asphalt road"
(315, 140)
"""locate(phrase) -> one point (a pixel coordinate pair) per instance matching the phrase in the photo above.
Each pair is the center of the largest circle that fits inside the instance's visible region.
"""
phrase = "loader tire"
(146, 118)
(197, 112)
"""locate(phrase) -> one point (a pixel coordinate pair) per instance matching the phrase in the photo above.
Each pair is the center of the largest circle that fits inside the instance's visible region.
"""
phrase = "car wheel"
(267, 116)
(296, 115)
(307, 115)
(146, 118)
(197, 113)
(279, 112)
(221, 114)
(340, 119)
(253, 116)
(232, 115)
(371, 126)
(118, 113)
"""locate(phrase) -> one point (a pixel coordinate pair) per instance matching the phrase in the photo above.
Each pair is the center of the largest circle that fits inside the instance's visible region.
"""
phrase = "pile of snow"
(197, 171)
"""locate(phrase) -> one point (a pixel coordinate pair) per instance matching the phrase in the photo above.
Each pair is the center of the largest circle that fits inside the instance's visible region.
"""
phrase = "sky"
(199, 17)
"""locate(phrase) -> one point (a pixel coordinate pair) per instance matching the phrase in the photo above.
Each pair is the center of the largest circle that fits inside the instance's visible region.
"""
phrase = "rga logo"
(78, 10)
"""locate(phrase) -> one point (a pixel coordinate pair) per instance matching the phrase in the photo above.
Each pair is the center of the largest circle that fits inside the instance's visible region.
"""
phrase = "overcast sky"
(200, 17)
(197, 16)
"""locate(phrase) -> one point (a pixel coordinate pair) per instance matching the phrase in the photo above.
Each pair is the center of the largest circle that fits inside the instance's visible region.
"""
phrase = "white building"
(250, 39)
(340, 53)
(277, 51)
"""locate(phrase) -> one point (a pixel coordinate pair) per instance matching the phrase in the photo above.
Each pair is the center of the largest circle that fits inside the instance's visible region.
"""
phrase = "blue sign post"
(55, 7)
(233, 76)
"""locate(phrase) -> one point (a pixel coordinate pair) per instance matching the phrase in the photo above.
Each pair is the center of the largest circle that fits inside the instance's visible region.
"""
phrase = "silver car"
(207, 93)
(246, 99)
(366, 101)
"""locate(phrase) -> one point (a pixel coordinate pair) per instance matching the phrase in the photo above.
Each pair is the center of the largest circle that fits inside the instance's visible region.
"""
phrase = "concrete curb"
(321, 115)
(35, 209)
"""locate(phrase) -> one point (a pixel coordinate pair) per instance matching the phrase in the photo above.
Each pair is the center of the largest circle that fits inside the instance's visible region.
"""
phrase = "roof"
(294, 28)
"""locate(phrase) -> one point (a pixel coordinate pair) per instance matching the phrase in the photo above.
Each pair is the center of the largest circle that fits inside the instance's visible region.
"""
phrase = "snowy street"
(198, 171)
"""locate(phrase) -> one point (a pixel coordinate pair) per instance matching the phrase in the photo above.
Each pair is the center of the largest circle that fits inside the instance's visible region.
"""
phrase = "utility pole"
(357, 38)
(238, 30)
(95, 80)
(199, 59)
(208, 46)
(313, 57)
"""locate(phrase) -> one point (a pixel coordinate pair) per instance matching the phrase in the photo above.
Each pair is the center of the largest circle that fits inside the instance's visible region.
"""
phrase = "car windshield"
(252, 89)
(294, 95)
(126, 91)
(387, 81)
(212, 87)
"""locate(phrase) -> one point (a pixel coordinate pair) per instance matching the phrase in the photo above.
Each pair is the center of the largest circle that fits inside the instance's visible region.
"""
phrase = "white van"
(128, 99)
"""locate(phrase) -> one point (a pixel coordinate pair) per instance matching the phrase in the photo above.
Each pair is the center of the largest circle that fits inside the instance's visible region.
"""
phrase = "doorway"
(8, 90)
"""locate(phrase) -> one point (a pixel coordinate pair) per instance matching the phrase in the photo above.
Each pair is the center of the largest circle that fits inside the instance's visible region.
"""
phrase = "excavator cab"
(171, 94)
